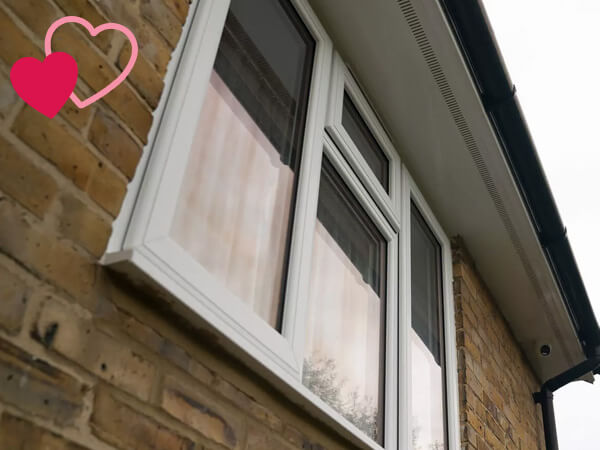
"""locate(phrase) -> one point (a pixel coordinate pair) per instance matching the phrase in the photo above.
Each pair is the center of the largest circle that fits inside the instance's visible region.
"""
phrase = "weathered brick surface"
(144, 77)
(202, 413)
(13, 298)
(8, 96)
(63, 330)
(34, 386)
(19, 434)
(83, 225)
(495, 381)
(121, 425)
(107, 188)
(56, 143)
(33, 188)
(43, 253)
(115, 143)
(86, 10)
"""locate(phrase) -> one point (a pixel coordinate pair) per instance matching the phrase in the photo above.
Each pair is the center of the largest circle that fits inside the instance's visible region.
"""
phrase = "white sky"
(552, 51)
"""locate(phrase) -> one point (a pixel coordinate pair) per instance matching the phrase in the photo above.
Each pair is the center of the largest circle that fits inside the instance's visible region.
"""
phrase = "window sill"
(267, 355)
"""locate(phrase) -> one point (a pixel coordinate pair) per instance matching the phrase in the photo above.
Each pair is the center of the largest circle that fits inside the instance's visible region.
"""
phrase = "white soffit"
(405, 58)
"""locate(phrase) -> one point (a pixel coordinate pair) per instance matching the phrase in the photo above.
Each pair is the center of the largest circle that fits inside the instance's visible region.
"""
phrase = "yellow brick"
(163, 19)
(8, 96)
(78, 222)
(14, 44)
(17, 433)
(98, 73)
(120, 424)
(179, 7)
(151, 43)
(34, 386)
(42, 253)
(143, 77)
(38, 15)
(55, 143)
(194, 408)
(76, 338)
(13, 298)
(85, 9)
(24, 181)
(107, 189)
(115, 143)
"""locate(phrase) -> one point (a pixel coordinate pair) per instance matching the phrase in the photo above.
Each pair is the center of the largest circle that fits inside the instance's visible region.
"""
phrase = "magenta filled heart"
(45, 85)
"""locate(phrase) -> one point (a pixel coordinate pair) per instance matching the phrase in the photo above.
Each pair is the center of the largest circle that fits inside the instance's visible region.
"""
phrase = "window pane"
(366, 143)
(427, 349)
(345, 351)
(234, 212)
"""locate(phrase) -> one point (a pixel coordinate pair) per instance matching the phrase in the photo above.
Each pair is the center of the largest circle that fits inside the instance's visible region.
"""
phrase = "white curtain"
(344, 320)
(234, 207)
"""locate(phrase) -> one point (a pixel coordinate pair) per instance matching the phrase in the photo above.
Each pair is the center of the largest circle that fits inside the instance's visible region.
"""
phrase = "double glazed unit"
(274, 209)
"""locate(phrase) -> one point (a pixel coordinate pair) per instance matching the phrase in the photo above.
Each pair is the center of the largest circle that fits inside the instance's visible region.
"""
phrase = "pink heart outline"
(94, 32)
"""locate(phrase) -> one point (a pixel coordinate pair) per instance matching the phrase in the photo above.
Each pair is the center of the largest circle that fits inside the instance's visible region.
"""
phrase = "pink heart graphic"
(94, 32)
(45, 85)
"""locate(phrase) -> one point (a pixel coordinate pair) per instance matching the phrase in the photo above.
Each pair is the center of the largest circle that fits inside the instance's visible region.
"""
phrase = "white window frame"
(412, 194)
(335, 156)
(140, 244)
(342, 82)
(147, 237)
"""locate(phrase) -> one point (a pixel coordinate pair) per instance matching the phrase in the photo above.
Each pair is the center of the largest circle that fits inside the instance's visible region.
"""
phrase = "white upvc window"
(272, 208)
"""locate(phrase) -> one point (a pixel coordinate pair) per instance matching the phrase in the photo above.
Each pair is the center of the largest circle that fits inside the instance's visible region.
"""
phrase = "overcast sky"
(552, 51)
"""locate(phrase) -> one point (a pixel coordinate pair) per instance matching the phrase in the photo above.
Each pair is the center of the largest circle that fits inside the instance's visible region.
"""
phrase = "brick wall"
(495, 381)
(88, 362)
(85, 361)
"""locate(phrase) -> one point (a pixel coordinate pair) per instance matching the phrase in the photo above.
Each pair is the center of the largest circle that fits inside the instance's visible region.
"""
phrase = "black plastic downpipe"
(475, 38)
(545, 397)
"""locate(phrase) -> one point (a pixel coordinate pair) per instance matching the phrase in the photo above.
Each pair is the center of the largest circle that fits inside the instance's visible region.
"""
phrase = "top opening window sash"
(344, 85)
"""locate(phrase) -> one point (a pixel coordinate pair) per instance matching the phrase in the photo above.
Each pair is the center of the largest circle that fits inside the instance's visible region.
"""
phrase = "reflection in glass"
(235, 208)
(364, 140)
(427, 352)
(345, 351)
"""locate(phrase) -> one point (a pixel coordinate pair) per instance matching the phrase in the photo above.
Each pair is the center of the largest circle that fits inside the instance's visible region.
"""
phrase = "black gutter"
(546, 396)
(480, 51)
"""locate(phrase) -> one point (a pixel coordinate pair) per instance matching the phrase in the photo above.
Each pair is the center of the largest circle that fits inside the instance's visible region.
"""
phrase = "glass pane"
(427, 350)
(345, 354)
(235, 208)
(366, 143)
